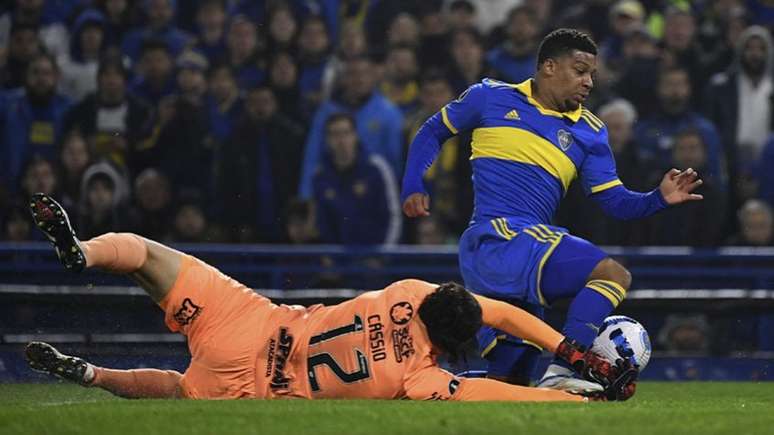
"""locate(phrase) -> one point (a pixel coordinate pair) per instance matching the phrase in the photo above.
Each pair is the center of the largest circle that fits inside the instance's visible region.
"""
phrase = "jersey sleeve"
(491, 390)
(464, 113)
(598, 171)
(431, 383)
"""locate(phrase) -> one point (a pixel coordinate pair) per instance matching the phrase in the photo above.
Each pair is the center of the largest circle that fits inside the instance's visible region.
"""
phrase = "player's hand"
(677, 186)
(417, 205)
(625, 385)
(588, 364)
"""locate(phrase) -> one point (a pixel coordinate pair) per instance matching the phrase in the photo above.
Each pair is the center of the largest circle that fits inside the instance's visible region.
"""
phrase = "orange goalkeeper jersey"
(376, 347)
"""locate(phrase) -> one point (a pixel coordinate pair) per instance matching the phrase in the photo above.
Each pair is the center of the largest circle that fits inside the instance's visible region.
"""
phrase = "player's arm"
(600, 181)
(461, 114)
(518, 322)
(434, 383)
(515, 321)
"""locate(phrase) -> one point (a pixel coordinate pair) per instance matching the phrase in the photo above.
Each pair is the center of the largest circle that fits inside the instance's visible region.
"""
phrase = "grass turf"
(658, 408)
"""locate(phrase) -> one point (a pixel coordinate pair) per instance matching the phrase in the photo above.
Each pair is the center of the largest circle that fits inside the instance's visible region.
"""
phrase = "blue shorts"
(530, 266)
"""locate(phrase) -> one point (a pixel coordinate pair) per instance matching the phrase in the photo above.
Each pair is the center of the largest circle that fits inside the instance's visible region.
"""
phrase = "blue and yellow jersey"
(525, 156)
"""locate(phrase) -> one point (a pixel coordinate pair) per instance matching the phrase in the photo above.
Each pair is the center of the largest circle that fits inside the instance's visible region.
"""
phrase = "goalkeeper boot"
(51, 218)
(44, 358)
(558, 377)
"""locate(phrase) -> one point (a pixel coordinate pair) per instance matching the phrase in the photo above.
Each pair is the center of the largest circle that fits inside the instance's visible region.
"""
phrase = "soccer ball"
(623, 337)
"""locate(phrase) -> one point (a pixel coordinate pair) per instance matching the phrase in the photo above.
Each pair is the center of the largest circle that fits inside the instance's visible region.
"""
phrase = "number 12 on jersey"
(325, 358)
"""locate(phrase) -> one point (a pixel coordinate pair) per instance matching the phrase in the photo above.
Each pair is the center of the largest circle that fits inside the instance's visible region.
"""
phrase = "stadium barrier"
(112, 321)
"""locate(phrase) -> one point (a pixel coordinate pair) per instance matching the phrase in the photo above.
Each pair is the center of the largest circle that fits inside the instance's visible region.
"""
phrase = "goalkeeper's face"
(572, 79)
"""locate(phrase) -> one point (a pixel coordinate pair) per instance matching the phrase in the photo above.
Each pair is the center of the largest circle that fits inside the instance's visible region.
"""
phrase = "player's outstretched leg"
(597, 284)
(152, 265)
(131, 384)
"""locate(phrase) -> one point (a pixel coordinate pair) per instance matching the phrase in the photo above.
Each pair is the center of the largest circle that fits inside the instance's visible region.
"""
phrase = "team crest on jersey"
(401, 313)
(564, 138)
(187, 312)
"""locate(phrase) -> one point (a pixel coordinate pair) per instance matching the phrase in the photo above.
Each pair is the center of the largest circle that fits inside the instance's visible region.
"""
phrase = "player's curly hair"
(452, 317)
(564, 41)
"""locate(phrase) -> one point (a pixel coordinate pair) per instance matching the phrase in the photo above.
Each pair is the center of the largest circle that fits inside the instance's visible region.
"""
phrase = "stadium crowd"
(289, 121)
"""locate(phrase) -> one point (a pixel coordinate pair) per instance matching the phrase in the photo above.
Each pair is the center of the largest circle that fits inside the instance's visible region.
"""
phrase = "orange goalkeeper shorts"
(226, 324)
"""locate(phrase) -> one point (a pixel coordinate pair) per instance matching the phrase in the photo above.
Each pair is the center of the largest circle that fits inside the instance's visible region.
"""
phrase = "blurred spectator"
(79, 64)
(590, 222)
(119, 18)
(300, 226)
(260, 169)
(40, 176)
(400, 79)
(23, 46)
(656, 134)
(448, 179)
(378, 121)
(184, 148)
(404, 30)
(467, 59)
(283, 78)
(639, 71)
(16, 224)
(155, 73)
(52, 29)
(514, 60)
(681, 49)
(243, 52)
(190, 224)
(283, 28)
(431, 231)
(462, 15)
(313, 50)
(152, 211)
(225, 103)
(74, 158)
(739, 102)
(159, 25)
(33, 120)
(211, 29)
(682, 333)
(625, 16)
(756, 223)
(352, 44)
(677, 225)
(720, 33)
(491, 13)
(356, 192)
(434, 43)
(111, 119)
(104, 191)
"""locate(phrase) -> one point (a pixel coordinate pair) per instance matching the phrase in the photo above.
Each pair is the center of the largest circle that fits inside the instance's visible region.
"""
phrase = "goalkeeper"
(380, 345)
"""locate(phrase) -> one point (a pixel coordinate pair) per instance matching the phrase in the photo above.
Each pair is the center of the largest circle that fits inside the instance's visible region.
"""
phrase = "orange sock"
(116, 252)
(138, 383)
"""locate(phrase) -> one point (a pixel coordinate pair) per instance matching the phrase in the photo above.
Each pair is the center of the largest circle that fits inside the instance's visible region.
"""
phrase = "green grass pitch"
(658, 408)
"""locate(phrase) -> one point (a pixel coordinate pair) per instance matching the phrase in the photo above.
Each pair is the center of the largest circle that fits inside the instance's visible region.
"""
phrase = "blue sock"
(589, 309)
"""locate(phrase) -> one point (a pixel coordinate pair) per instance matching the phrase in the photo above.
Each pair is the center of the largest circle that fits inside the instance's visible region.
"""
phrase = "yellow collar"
(525, 88)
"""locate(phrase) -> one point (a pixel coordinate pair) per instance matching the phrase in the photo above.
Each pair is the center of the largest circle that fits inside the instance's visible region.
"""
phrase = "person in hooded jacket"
(355, 191)
(104, 192)
(739, 103)
(79, 65)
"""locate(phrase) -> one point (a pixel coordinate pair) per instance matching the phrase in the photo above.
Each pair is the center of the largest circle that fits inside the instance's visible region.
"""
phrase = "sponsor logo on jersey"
(401, 313)
(284, 344)
(188, 312)
(513, 114)
(402, 344)
(564, 138)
